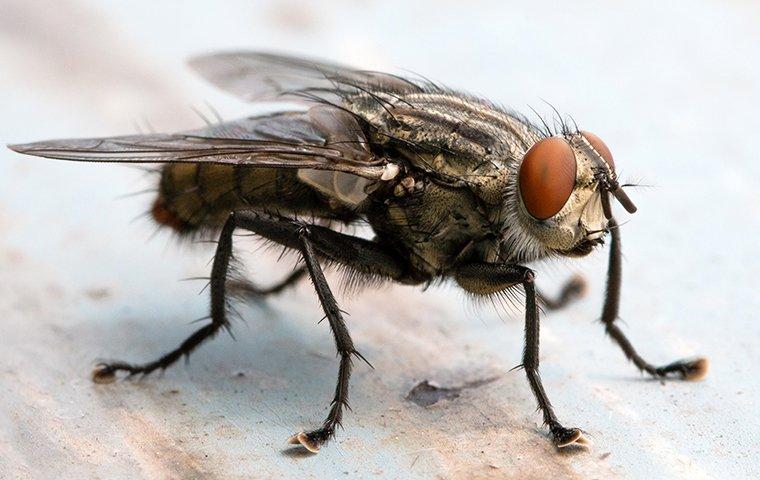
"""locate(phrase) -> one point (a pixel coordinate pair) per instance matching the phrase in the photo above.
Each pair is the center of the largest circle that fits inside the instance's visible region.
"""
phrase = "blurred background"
(670, 86)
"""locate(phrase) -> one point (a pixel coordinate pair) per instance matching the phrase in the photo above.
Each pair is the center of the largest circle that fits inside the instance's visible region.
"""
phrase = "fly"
(452, 186)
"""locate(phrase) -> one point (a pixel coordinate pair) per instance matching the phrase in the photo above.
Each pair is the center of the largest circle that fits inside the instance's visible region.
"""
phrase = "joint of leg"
(303, 230)
(529, 276)
(231, 222)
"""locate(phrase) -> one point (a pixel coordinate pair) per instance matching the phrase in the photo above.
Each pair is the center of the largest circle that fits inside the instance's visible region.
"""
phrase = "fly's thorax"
(458, 140)
(565, 216)
(434, 224)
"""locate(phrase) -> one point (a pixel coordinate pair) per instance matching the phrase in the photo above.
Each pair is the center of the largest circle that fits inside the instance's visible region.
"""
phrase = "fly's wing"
(322, 138)
(256, 76)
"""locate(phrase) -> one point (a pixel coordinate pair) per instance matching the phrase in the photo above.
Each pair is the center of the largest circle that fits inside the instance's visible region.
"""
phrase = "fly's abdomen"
(199, 195)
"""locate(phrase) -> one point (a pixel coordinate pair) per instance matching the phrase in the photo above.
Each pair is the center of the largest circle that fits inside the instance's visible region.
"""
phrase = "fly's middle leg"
(247, 289)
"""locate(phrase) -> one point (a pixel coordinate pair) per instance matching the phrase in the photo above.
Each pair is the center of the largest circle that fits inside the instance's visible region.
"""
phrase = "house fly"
(453, 187)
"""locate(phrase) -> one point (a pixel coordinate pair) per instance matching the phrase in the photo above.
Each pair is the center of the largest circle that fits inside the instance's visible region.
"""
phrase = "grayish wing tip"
(52, 146)
(35, 148)
(202, 58)
(18, 147)
(196, 60)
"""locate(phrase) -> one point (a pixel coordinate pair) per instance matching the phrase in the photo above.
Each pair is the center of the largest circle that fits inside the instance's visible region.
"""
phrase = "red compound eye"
(547, 177)
(600, 147)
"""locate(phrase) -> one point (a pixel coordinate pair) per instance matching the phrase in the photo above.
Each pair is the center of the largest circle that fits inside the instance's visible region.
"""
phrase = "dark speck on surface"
(428, 393)
(425, 393)
(98, 293)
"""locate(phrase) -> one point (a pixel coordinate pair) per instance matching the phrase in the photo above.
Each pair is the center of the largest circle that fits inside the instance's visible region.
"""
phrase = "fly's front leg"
(486, 279)
(688, 369)
(106, 372)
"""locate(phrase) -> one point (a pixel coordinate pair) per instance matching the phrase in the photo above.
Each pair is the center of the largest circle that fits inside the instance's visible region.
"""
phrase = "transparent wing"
(256, 76)
(322, 138)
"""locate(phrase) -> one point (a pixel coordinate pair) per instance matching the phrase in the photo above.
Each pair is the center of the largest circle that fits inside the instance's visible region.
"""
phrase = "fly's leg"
(486, 279)
(562, 436)
(314, 439)
(571, 291)
(248, 289)
(363, 256)
(106, 372)
(688, 369)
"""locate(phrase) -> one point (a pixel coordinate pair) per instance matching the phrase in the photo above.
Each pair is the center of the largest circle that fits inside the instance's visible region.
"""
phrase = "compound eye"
(547, 177)
(600, 147)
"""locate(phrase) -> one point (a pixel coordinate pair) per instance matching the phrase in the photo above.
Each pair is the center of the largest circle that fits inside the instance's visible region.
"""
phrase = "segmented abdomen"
(193, 196)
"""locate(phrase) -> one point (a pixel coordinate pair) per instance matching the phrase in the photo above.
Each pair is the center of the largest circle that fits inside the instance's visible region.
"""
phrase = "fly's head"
(563, 193)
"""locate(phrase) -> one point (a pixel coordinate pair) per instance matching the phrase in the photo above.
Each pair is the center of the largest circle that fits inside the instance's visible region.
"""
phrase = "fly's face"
(564, 184)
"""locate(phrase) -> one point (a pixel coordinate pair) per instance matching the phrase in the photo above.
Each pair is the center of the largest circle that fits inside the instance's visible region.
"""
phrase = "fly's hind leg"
(314, 242)
(106, 372)
(572, 290)
(247, 289)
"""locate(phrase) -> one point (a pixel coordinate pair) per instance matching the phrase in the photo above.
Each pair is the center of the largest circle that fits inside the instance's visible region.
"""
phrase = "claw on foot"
(305, 441)
(102, 373)
(564, 437)
(693, 369)
(696, 369)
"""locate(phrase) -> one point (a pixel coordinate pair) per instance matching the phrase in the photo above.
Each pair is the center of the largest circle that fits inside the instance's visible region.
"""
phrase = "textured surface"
(673, 94)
